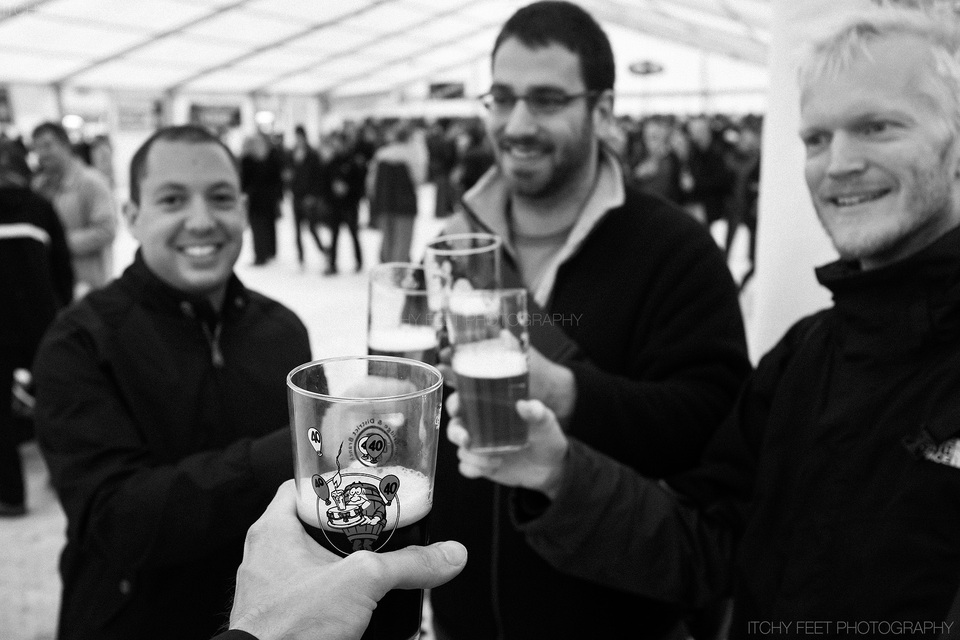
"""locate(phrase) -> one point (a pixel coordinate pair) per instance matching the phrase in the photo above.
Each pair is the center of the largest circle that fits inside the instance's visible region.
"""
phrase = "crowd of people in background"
(709, 164)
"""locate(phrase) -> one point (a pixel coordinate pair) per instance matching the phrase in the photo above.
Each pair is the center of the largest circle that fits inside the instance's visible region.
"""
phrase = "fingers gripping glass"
(539, 101)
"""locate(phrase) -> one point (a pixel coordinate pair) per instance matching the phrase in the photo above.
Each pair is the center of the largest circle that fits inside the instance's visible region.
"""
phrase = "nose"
(520, 121)
(199, 216)
(846, 155)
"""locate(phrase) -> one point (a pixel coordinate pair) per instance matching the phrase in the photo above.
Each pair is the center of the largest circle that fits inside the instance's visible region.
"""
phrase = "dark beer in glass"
(365, 432)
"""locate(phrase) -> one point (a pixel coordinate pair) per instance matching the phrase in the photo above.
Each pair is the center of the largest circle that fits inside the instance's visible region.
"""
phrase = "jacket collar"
(488, 202)
(901, 307)
(154, 293)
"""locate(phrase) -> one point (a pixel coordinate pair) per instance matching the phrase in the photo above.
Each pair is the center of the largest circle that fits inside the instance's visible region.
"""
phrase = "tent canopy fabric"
(317, 47)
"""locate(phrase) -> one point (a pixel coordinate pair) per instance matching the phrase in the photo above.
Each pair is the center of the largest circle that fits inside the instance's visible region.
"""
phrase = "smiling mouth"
(860, 198)
(523, 150)
(200, 250)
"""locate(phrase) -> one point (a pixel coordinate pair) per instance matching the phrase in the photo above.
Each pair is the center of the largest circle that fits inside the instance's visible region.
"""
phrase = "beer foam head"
(403, 338)
(489, 359)
(472, 303)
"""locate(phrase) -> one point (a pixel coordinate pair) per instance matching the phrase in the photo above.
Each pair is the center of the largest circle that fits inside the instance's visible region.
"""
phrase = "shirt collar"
(489, 197)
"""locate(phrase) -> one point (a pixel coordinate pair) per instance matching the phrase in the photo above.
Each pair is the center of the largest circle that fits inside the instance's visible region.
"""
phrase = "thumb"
(453, 404)
(425, 567)
(534, 412)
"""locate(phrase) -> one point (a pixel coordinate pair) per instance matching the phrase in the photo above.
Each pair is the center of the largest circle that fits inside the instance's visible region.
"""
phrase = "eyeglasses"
(540, 102)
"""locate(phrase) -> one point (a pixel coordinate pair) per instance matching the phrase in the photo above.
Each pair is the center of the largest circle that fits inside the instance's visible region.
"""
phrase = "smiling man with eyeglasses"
(645, 348)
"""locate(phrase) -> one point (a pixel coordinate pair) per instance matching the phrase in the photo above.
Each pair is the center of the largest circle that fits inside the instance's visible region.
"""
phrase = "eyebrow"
(179, 186)
(536, 87)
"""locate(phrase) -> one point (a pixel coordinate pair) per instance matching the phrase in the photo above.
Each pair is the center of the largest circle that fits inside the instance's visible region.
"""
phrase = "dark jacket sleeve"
(684, 356)
(122, 501)
(672, 540)
(641, 537)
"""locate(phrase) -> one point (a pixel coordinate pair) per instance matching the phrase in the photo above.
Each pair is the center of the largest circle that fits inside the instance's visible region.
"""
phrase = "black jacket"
(649, 304)
(306, 178)
(36, 277)
(832, 493)
(165, 430)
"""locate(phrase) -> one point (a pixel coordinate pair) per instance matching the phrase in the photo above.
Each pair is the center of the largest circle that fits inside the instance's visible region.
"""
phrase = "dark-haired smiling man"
(161, 409)
(647, 350)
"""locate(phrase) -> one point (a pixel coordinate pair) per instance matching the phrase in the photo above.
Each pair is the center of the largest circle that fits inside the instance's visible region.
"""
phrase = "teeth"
(200, 251)
(524, 153)
(849, 201)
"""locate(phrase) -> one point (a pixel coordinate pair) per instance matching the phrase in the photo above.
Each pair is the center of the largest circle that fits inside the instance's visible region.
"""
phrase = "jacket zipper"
(213, 339)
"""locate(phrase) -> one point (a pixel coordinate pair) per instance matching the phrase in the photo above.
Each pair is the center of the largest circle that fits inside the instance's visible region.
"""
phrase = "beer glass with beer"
(399, 320)
(488, 330)
(460, 261)
(365, 432)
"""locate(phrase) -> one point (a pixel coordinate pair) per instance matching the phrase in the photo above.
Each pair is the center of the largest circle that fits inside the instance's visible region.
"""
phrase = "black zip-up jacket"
(165, 429)
(656, 345)
(831, 494)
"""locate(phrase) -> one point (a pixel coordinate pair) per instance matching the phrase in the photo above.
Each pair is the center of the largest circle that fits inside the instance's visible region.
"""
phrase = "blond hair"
(850, 37)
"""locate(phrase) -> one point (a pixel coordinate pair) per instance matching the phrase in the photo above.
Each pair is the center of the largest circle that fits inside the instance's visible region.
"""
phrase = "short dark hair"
(188, 133)
(54, 129)
(557, 22)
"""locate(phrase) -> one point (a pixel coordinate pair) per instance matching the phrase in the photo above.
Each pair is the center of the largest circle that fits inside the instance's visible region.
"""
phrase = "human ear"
(603, 110)
(131, 211)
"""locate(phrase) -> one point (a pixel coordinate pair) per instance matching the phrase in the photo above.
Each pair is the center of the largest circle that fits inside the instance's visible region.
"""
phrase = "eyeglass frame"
(487, 100)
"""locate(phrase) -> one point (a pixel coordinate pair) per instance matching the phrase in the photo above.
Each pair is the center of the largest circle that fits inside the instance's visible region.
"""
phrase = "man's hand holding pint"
(290, 587)
(538, 466)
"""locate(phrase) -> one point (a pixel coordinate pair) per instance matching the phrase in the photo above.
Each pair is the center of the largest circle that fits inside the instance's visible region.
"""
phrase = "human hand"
(290, 587)
(552, 383)
(538, 466)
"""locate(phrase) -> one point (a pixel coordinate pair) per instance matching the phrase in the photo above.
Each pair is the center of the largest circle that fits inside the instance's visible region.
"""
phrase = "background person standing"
(36, 279)
(82, 198)
(261, 177)
(306, 191)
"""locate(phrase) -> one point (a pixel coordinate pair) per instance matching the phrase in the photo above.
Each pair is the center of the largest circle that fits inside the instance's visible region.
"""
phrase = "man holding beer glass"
(160, 407)
(636, 340)
(829, 494)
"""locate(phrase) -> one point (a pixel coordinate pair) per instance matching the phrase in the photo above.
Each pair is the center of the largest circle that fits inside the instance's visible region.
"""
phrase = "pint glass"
(488, 330)
(458, 262)
(365, 432)
(399, 320)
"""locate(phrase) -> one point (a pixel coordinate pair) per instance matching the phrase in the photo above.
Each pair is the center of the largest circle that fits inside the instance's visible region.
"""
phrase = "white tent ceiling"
(332, 47)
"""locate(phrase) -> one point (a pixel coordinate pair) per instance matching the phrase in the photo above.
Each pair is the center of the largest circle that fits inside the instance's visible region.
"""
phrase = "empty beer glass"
(488, 330)
(399, 320)
(365, 432)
